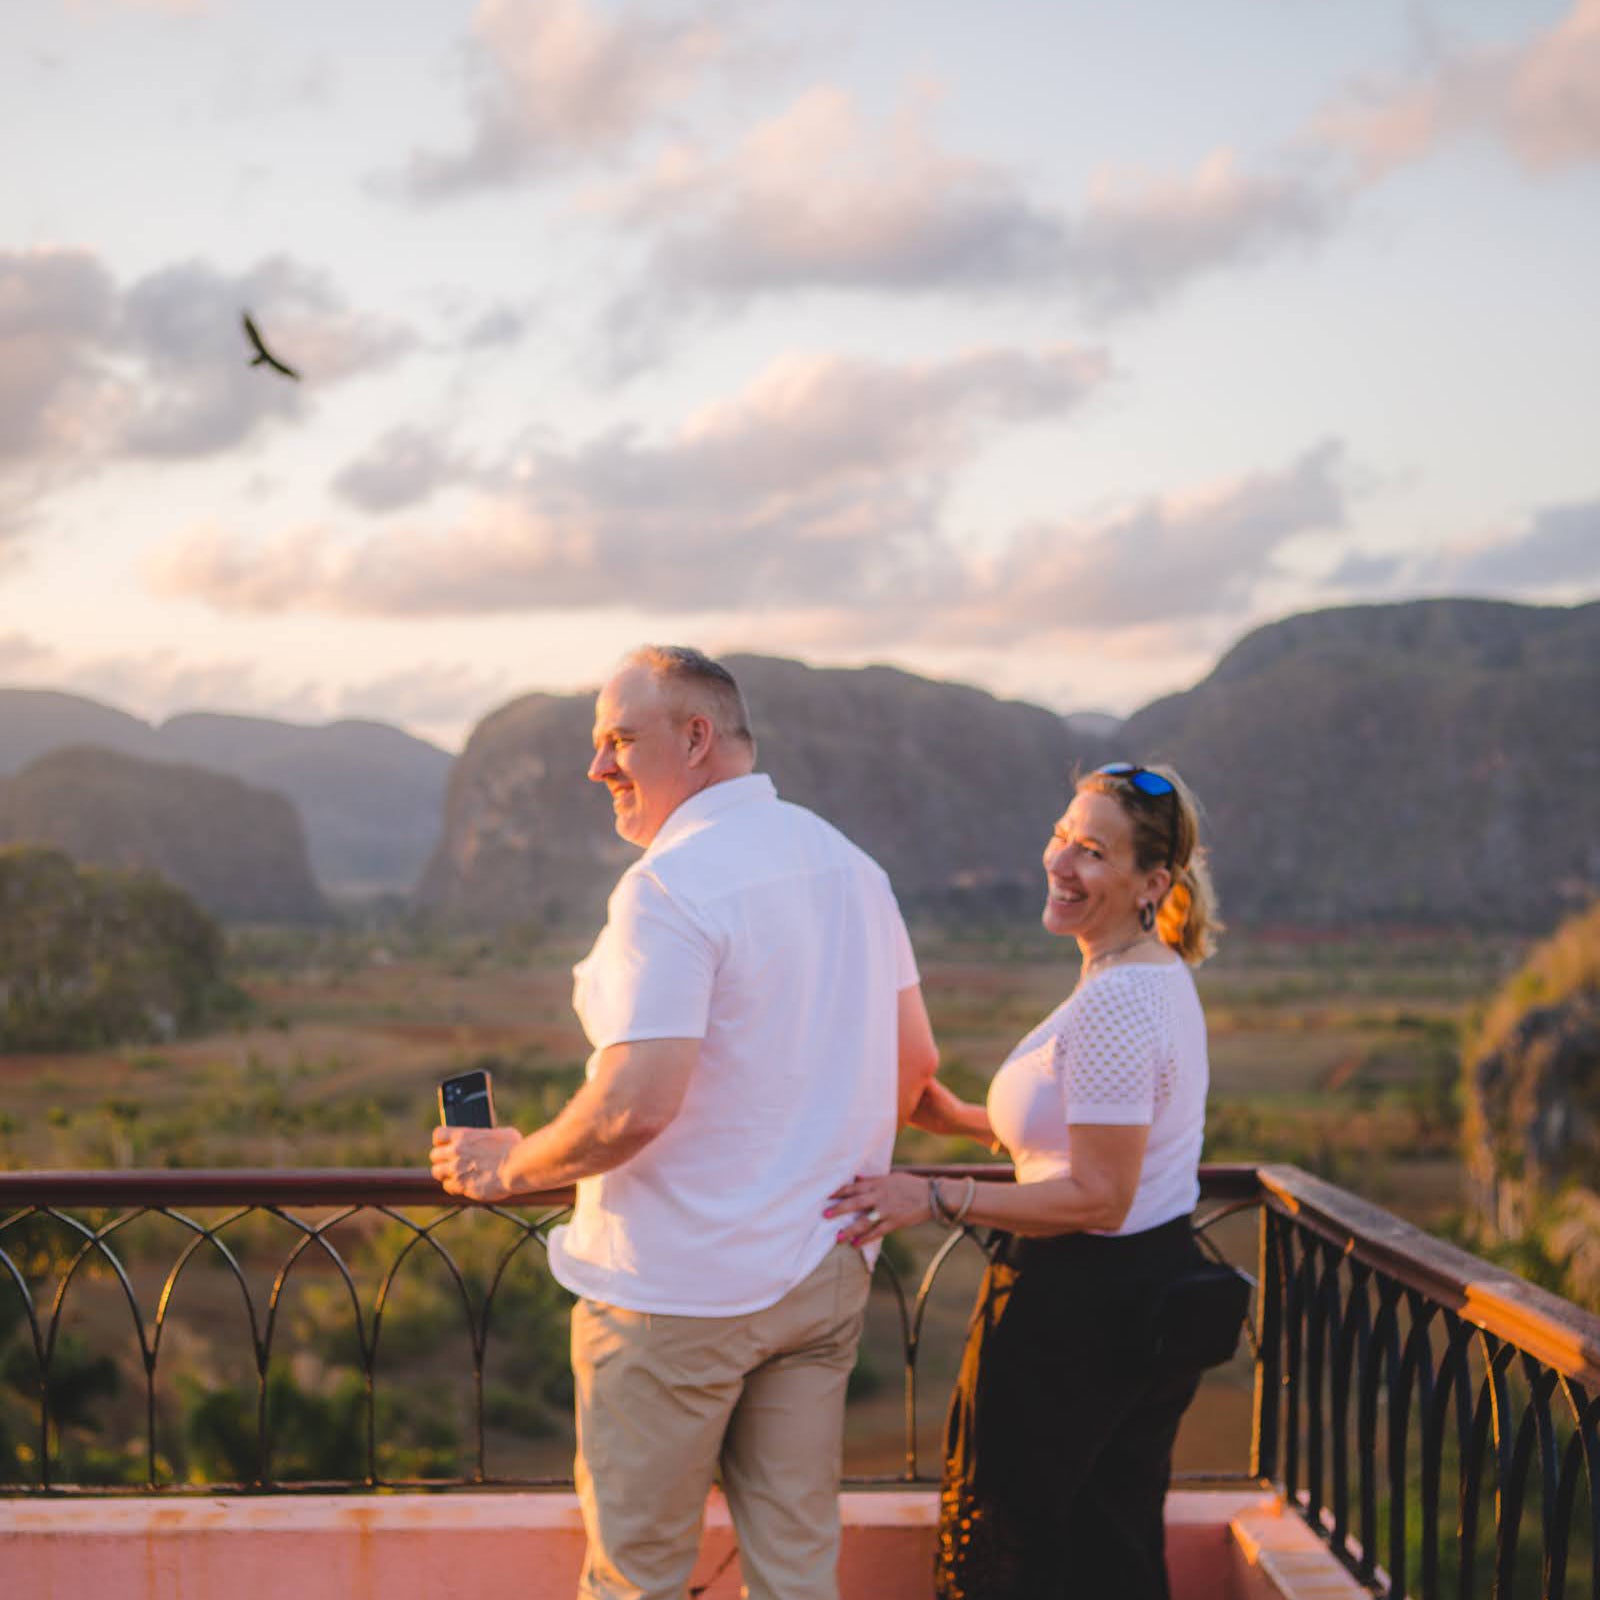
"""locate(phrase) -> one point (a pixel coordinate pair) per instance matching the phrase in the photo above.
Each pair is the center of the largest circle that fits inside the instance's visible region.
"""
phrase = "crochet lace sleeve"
(1112, 1053)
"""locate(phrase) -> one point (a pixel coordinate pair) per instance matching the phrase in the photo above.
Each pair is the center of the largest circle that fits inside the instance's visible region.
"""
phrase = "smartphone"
(467, 1101)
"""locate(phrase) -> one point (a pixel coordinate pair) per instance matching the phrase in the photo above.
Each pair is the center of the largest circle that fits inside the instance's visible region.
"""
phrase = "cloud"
(1555, 552)
(816, 196)
(557, 82)
(1197, 553)
(402, 468)
(91, 370)
(199, 393)
(823, 479)
(821, 198)
(1540, 98)
(58, 309)
(1142, 236)
(169, 8)
(19, 653)
(1179, 561)
(498, 326)
(815, 497)
(1560, 546)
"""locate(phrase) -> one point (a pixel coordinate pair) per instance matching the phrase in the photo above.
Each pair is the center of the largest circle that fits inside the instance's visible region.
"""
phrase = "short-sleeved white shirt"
(1126, 1048)
(757, 928)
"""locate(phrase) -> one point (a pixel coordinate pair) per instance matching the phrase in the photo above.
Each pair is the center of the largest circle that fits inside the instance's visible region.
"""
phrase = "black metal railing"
(1432, 1417)
(347, 1274)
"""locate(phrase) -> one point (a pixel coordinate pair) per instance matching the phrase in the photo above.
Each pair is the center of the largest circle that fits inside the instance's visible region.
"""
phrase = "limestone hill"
(1436, 762)
(951, 789)
(1430, 763)
(240, 852)
(370, 796)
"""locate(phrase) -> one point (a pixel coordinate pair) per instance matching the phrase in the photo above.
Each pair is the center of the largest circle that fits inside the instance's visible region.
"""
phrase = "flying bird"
(264, 356)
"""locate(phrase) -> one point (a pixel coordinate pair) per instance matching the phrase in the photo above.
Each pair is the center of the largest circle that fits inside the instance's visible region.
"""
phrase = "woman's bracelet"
(940, 1212)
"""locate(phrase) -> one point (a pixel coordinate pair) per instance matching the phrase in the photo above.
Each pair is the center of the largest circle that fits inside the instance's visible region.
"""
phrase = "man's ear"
(701, 733)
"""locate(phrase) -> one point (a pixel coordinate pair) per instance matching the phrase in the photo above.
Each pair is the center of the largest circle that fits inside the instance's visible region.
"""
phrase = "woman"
(1061, 1428)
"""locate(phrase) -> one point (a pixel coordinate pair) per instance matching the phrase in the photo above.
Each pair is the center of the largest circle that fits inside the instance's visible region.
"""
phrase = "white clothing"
(755, 927)
(1128, 1048)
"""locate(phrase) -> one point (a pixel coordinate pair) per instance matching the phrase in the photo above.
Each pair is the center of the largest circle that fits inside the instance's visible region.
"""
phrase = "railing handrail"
(1563, 1336)
(398, 1186)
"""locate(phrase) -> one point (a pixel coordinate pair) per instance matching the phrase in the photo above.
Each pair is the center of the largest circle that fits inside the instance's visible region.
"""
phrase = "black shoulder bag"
(1198, 1316)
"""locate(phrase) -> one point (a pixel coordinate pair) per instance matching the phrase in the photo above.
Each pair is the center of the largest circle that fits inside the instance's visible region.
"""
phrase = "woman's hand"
(877, 1206)
(471, 1162)
(942, 1110)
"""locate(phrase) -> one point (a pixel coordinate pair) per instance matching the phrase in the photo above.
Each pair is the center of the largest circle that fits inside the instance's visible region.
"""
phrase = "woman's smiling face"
(1093, 885)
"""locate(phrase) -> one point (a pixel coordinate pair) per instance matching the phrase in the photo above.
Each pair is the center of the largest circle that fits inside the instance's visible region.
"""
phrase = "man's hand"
(471, 1161)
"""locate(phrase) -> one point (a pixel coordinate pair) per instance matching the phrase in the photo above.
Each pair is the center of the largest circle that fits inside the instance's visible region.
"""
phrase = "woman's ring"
(874, 1216)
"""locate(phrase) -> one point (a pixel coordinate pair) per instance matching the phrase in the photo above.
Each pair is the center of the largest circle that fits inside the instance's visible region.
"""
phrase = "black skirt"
(1058, 1447)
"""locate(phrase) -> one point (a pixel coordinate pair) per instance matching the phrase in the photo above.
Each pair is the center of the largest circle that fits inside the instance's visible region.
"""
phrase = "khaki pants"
(665, 1403)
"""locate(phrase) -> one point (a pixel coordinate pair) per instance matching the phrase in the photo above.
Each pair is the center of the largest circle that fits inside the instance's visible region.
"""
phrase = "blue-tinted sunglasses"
(1144, 780)
(1152, 784)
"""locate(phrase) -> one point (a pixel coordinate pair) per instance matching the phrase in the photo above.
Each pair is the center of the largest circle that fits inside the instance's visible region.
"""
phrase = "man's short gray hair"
(700, 685)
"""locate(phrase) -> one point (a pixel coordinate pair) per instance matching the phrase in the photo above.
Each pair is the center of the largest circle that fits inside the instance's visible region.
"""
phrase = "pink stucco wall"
(528, 1547)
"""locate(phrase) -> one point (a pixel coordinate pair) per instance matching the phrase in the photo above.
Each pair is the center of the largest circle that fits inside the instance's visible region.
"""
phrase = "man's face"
(641, 754)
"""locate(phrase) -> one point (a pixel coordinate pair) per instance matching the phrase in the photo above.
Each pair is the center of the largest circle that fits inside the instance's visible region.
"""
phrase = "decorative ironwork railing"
(1432, 1417)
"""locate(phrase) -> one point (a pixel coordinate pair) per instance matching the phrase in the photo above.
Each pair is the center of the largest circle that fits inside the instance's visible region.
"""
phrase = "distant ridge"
(1436, 762)
(239, 851)
(370, 795)
(1433, 762)
(951, 789)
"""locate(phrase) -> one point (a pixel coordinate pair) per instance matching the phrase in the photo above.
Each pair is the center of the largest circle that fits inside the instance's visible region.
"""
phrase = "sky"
(1048, 345)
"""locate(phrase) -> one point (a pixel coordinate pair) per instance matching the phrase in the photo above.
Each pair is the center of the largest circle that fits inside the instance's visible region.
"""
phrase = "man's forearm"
(581, 1142)
(632, 1096)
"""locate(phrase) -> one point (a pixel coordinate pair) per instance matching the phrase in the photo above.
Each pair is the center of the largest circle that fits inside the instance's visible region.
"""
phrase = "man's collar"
(712, 801)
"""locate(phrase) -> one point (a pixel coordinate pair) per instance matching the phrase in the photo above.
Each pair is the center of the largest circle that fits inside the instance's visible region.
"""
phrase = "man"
(757, 1025)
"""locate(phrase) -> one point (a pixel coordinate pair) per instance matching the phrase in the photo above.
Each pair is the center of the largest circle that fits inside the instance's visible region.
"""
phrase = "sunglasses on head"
(1144, 780)
(1150, 783)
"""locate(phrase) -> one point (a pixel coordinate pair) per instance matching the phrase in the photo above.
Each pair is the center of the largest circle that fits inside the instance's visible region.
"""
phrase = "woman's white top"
(1127, 1047)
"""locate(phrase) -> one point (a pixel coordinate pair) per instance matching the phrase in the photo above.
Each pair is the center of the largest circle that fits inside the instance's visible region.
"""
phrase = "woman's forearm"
(941, 1110)
(1095, 1198)
(1057, 1205)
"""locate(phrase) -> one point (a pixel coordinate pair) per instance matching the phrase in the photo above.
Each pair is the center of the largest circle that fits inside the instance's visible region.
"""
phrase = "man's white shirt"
(757, 928)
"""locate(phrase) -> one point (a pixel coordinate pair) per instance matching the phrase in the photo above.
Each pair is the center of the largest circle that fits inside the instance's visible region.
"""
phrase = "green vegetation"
(1531, 1082)
(1340, 1055)
(91, 957)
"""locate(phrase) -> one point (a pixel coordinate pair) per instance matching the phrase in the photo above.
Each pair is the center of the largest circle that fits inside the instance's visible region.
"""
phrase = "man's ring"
(874, 1216)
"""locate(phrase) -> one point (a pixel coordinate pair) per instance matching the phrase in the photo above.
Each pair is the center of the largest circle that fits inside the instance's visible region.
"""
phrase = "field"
(1339, 1054)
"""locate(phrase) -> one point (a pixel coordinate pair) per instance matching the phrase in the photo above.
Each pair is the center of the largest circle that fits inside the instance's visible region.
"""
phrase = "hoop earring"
(1147, 915)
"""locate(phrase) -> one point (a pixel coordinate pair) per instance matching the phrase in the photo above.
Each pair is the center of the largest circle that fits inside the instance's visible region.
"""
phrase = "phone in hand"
(467, 1101)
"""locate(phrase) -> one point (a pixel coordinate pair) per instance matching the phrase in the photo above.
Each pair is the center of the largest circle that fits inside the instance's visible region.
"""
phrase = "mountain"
(1433, 762)
(370, 795)
(240, 852)
(34, 722)
(952, 790)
